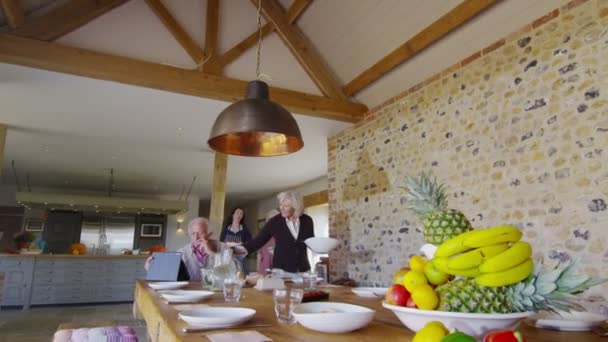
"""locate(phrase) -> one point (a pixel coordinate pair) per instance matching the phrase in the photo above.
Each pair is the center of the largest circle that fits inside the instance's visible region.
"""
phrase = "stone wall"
(517, 132)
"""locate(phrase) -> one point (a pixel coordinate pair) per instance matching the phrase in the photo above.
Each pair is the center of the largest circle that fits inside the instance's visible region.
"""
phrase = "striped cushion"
(101, 334)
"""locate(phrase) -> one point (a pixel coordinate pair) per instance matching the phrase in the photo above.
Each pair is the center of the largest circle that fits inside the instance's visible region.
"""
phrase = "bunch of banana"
(493, 256)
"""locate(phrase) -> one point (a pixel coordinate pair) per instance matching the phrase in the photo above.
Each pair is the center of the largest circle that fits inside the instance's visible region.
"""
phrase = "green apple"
(434, 275)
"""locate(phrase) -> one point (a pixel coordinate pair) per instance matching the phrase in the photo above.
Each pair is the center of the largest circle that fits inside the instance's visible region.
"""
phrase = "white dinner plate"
(184, 296)
(370, 292)
(216, 316)
(572, 321)
(168, 285)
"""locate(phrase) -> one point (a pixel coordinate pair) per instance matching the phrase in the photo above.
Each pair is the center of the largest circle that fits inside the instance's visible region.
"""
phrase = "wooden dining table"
(163, 324)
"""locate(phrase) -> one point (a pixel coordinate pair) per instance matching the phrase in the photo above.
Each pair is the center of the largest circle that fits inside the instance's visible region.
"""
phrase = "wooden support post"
(2, 143)
(218, 194)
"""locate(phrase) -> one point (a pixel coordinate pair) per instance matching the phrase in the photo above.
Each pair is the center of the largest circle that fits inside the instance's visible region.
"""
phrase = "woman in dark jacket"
(289, 229)
(236, 233)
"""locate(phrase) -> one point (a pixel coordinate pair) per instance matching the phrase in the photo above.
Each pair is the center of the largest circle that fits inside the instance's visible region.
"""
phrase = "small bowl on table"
(474, 324)
(333, 317)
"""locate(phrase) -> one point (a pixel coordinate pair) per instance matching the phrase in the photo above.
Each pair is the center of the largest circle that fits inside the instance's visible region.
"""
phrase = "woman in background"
(236, 233)
(265, 253)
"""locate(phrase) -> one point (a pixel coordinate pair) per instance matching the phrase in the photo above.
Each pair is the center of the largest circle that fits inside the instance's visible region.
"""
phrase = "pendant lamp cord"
(257, 67)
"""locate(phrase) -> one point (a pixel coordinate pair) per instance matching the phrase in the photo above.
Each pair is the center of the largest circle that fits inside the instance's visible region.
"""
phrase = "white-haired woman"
(289, 229)
(194, 254)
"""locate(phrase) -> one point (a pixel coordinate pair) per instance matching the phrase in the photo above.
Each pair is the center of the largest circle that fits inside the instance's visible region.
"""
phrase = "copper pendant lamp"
(256, 126)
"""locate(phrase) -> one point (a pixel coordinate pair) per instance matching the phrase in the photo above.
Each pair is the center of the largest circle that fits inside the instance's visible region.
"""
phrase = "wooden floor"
(39, 324)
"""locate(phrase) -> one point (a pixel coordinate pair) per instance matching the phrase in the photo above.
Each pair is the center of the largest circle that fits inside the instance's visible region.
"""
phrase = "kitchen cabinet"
(17, 280)
(70, 279)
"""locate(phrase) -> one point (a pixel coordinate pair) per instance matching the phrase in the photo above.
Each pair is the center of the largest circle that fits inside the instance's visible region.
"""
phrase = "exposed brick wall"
(518, 132)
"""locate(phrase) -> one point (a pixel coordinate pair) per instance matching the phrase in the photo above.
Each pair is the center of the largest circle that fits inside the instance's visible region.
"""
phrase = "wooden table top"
(164, 325)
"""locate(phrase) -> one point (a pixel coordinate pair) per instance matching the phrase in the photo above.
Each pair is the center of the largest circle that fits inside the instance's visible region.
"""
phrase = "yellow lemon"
(414, 279)
(425, 297)
(398, 277)
(432, 332)
(417, 263)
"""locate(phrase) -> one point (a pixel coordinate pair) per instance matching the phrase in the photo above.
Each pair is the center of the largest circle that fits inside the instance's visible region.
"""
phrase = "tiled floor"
(39, 324)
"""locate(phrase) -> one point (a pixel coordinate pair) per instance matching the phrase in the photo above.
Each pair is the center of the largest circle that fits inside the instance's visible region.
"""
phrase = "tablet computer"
(167, 266)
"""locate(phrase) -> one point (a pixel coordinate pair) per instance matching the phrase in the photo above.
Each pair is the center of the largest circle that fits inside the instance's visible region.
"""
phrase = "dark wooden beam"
(302, 49)
(211, 36)
(81, 62)
(13, 13)
(295, 11)
(65, 19)
(432, 33)
(182, 37)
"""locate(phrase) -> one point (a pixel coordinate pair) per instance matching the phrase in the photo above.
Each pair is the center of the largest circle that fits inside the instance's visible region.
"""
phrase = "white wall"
(174, 239)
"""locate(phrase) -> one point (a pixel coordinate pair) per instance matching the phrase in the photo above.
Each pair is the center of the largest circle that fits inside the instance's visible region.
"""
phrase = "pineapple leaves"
(544, 289)
(425, 194)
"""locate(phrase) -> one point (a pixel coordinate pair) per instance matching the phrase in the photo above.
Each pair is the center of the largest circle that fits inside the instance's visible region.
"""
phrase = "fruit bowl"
(473, 324)
(321, 245)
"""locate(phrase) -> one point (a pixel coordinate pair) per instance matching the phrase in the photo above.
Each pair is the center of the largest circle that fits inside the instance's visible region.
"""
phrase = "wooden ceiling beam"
(2, 144)
(182, 37)
(65, 19)
(293, 13)
(13, 13)
(81, 62)
(302, 49)
(211, 37)
(432, 33)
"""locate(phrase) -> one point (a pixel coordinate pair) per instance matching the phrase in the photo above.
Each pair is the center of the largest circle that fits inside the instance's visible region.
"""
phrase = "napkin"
(241, 336)
(266, 284)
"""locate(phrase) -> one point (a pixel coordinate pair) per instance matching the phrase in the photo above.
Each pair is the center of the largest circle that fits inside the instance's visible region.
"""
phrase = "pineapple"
(428, 199)
(544, 290)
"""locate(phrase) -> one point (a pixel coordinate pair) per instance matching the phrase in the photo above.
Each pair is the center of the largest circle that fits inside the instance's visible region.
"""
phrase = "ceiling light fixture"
(256, 126)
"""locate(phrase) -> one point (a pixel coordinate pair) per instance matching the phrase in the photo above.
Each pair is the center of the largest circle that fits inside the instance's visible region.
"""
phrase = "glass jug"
(223, 266)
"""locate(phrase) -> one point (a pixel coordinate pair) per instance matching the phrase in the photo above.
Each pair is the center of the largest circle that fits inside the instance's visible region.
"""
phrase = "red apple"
(410, 303)
(397, 295)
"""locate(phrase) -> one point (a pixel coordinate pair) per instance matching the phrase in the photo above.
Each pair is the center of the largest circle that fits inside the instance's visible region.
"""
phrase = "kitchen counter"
(44, 279)
(2, 255)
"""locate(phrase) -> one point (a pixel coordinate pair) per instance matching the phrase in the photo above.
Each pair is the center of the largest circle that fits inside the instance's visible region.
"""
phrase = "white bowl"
(216, 316)
(184, 296)
(566, 321)
(168, 285)
(332, 317)
(321, 245)
(473, 324)
(370, 292)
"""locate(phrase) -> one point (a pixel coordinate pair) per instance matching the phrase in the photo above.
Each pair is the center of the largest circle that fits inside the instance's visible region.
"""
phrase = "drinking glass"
(232, 289)
(321, 270)
(309, 280)
(284, 302)
(207, 278)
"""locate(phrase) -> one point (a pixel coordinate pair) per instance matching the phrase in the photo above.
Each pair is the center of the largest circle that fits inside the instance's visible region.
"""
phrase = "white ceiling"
(68, 131)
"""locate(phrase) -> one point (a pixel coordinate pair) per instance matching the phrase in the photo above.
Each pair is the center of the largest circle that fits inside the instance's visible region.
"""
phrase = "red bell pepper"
(505, 336)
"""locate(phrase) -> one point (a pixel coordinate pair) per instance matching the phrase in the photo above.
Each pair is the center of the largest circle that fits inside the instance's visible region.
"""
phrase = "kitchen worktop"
(2, 255)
